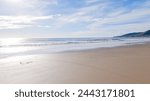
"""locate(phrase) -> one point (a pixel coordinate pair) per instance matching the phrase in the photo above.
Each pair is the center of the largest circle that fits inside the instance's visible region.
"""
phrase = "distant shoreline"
(99, 48)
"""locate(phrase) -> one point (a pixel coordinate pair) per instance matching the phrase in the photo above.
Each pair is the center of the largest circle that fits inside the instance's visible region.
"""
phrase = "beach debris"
(22, 63)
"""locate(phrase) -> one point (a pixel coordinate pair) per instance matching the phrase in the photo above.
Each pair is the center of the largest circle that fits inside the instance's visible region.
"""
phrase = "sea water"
(16, 46)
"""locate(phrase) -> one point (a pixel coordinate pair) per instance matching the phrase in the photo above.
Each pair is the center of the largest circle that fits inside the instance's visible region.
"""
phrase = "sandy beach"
(127, 64)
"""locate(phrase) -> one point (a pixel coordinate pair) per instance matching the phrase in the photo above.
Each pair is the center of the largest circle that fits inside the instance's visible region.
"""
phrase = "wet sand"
(128, 64)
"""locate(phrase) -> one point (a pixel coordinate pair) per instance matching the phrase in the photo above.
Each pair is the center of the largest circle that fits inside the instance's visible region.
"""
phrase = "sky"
(72, 18)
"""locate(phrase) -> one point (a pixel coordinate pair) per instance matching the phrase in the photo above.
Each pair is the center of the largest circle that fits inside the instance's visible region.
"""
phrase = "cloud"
(122, 21)
(85, 14)
(25, 7)
(108, 18)
(77, 17)
(15, 22)
(91, 1)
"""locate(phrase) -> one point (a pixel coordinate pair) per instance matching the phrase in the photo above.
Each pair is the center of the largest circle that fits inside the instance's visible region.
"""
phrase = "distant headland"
(137, 34)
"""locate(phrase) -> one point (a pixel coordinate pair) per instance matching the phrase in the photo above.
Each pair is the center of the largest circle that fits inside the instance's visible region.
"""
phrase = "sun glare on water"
(9, 45)
(10, 41)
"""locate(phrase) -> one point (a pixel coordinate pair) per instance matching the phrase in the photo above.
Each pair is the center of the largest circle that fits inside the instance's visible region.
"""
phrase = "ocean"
(16, 47)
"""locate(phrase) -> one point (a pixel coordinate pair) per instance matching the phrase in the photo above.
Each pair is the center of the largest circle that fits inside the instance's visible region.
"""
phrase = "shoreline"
(117, 65)
(104, 48)
(80, 50)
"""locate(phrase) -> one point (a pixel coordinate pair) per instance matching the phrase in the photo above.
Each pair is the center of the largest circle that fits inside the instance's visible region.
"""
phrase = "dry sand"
(129, 64)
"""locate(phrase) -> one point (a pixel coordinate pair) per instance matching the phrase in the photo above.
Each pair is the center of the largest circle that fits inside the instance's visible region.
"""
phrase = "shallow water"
(15, 46)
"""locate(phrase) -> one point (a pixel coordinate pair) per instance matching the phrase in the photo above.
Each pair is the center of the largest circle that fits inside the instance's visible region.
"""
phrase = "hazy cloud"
(14, 22)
